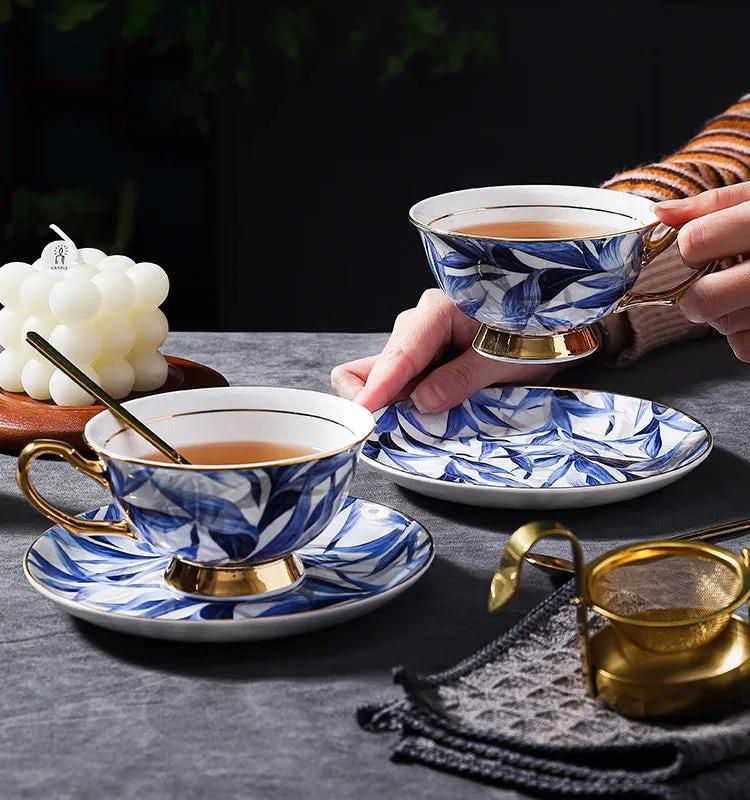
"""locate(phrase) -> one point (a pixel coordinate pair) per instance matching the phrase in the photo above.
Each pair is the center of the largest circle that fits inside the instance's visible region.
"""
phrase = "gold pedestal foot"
(234, 583)
(504, 346)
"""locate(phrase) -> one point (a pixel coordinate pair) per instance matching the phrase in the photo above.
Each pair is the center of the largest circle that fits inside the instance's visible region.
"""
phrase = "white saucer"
(367, 556)
(537, 448)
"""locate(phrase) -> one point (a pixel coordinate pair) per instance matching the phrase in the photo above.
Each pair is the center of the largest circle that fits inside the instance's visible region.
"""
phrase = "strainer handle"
(507, 579)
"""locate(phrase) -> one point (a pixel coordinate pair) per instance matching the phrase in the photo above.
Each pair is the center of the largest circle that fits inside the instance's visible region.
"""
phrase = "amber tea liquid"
(537, 229)
(236, 452)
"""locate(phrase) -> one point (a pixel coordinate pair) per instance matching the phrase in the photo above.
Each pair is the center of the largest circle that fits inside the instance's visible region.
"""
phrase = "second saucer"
(537, 448)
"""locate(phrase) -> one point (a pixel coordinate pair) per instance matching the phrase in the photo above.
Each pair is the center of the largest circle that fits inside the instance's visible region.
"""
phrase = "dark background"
(272, 176)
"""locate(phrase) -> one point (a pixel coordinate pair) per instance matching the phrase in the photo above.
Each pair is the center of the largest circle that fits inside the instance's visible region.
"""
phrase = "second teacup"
(231, 529)
(538, 265)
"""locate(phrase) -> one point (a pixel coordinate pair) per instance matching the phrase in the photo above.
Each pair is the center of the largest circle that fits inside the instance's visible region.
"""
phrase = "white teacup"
(536, 298)
(231, 530)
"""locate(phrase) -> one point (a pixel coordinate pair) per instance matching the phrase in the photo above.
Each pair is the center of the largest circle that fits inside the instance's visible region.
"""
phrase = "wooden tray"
(23, 419)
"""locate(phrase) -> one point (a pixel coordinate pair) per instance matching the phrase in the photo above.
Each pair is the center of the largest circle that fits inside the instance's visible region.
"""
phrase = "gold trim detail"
(503, 346)
(664, 297)
(428, 227)
(234, 581)
(92, 468)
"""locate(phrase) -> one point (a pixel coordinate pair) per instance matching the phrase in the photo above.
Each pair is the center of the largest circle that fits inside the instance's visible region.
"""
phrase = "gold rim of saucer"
(503, 346)
(234, 582)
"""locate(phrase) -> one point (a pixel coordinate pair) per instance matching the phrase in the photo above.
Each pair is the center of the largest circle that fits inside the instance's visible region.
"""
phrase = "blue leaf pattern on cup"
(233, 515)
(535, 288)
(365, 551)
(538, 437)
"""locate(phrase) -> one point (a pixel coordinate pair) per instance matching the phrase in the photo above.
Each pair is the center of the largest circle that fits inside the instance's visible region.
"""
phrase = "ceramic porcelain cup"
(232, 530)
(536, 298)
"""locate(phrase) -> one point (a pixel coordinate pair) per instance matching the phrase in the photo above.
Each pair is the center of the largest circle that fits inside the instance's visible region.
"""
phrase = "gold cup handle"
(665, 297)
(94, 468)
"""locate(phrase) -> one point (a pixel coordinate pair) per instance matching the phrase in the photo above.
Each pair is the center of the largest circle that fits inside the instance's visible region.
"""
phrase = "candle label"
(59, 255)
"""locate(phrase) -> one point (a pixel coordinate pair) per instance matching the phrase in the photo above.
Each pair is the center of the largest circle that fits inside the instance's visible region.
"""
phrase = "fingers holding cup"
(678, 212)
(716, 225)
(419, 337)
(740, 344)
(717, 296)
(348, 379)
(719, 234)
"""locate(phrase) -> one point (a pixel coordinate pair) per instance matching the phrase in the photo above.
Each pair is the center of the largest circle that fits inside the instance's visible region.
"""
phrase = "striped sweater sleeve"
(717, 156)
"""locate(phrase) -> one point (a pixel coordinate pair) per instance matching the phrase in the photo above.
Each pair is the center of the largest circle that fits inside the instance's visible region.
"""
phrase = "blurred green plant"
(292, 30)
(290, 36)
(425, 33)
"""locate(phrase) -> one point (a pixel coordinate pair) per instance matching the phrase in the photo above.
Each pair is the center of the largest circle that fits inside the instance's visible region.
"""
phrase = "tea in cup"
(538, 265)
(270, 469)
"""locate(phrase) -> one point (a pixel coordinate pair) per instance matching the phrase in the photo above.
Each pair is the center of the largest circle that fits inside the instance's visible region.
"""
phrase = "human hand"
(716, 224)
(421, 337)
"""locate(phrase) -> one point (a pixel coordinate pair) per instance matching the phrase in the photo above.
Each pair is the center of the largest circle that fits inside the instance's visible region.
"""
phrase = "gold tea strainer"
(672, 643)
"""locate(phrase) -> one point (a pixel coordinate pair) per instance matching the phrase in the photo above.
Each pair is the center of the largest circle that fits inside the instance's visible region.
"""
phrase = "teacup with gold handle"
(536, 299)
(231, 529)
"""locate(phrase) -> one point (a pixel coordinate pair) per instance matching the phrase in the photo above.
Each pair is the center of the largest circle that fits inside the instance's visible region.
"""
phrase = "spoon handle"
(54, 356)
(555, 564)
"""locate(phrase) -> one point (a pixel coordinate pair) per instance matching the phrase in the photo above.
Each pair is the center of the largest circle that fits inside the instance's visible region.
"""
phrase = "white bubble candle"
(101, 311)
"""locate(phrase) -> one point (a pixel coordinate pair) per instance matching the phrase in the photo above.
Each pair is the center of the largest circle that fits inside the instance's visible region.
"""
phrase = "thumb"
(452, 383)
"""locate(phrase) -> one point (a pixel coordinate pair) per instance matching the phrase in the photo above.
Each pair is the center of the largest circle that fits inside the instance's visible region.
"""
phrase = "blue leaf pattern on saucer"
(538, 287)
(538, 438)
(366, 550)
(232, 515)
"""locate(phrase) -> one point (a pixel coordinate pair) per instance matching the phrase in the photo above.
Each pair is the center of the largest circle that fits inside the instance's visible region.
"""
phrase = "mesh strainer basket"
(668, 596)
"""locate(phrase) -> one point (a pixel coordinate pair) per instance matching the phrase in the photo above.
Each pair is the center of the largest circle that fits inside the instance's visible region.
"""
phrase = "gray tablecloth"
(89, 714)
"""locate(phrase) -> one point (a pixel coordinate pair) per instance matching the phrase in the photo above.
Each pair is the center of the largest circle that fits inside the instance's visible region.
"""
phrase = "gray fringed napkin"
(516, 714)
